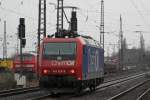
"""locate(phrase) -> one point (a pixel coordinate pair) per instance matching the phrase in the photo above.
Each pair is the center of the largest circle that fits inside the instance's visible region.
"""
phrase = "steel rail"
(127, 91)
(121, 80)
(32, 89)
(41, 97)
(106, 84)
(18, 91)
(141, 97)
(123, 77)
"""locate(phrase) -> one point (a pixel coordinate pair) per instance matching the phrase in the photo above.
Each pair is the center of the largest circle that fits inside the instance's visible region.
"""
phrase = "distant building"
(131, 57)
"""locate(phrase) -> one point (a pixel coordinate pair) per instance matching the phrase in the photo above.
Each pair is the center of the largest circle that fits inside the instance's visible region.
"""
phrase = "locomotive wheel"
(79, 90)
(92, 88)
(53, 93)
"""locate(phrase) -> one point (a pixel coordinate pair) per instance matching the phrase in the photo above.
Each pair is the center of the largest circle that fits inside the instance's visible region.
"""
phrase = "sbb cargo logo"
(63, 63)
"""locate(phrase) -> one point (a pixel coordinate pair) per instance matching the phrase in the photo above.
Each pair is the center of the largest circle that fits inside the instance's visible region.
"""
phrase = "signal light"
(23, 42)
(45, 71)
(21, 30)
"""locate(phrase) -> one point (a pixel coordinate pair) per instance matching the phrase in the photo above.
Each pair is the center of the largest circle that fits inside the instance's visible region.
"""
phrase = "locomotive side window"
(24, 57)
(92, 42)
(62, 50)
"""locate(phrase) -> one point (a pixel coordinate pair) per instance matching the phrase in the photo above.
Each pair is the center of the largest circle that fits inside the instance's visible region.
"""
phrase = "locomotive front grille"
(59, 81)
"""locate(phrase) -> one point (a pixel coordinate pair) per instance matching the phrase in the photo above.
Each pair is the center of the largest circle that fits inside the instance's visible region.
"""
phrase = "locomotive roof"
(92, 42)
(28, 53)
(85, 40)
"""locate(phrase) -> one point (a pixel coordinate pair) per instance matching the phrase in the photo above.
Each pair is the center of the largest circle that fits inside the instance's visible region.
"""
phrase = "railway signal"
(21, 32)
(21, 35)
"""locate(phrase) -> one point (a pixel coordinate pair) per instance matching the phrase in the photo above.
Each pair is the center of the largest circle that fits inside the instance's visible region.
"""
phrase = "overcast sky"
(135, 14)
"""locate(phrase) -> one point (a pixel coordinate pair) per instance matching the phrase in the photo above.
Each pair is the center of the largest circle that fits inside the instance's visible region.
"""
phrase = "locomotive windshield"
(59, 51)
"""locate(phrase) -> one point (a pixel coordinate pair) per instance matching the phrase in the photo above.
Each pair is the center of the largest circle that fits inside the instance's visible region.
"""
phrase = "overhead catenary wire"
(143, 6)
(140, 14)
(16, 13)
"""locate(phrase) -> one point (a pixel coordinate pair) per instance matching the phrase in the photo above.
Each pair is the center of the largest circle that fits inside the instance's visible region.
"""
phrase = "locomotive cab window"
(59, 51)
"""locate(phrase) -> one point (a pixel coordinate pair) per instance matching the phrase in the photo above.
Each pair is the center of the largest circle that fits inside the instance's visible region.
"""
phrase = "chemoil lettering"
(70, 63)
(63, 63)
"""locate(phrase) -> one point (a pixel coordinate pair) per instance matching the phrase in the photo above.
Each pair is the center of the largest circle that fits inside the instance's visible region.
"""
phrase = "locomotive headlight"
(72, 71)
(45, 71)
(79, 78)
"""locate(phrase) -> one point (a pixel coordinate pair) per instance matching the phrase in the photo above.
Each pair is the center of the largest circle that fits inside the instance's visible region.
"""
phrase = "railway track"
(144, 95)
(41, 97)
(107, 90)
(106, 84)
(121, 80)
(125, 94)
(18, 91)
(122, 77)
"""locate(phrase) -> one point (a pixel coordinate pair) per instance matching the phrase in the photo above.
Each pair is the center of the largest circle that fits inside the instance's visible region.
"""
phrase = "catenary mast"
(102, 24)
(41, 26)
(4, 43)
(121, 45)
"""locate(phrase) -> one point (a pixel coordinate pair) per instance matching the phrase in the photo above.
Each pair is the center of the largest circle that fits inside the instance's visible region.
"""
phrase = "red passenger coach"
(28, 63)
(71, 62)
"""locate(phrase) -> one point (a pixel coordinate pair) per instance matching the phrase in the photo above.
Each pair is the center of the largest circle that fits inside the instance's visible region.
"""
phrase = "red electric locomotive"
(71, 62)
(29, 63)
